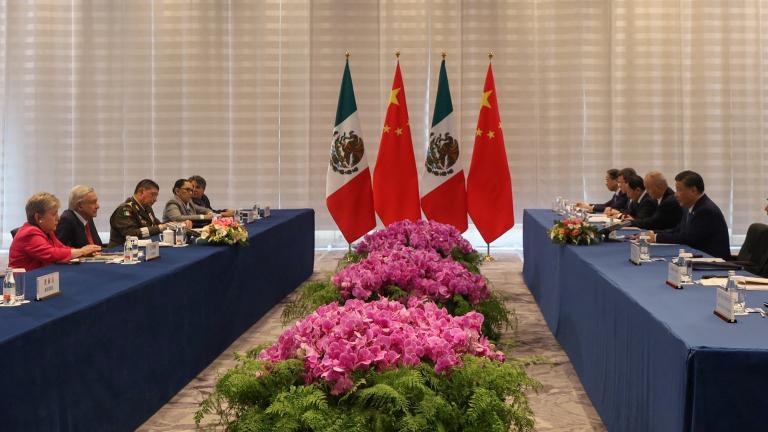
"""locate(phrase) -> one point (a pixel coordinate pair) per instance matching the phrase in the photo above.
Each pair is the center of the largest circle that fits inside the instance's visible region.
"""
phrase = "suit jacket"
(177, 211)
(132, 219)
(643, 209)
(618, 201)
(205, 202)
(666, 216)
(32, 248)
(71, 231)
(703, 228)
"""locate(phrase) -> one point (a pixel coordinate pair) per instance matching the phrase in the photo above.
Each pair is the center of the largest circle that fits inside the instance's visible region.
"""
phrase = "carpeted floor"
(560, 405)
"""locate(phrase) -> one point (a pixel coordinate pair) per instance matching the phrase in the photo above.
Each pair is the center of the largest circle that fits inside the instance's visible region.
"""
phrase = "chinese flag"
(489, 186)
(395, 183)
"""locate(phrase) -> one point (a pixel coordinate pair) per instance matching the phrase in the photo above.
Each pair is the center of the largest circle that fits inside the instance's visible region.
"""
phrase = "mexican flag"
(395, 182)
(348, 192)
(444, 196)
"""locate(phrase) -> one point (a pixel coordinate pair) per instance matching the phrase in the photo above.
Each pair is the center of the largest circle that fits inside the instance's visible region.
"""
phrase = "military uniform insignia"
(347, 152)
(443, 153)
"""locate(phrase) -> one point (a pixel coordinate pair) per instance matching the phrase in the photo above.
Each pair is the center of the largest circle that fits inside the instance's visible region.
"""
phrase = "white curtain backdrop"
(243, 92)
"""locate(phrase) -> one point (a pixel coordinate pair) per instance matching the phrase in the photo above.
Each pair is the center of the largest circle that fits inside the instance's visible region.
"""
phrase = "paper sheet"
(706, 260)
(753, 283)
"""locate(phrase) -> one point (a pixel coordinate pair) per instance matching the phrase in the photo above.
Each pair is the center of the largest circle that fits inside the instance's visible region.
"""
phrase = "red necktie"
(88, 234)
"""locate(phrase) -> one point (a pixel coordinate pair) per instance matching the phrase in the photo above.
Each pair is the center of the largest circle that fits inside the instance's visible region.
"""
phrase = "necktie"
(88, 234)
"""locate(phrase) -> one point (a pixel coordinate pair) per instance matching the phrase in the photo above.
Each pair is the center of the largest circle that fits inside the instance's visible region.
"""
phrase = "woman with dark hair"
(35, 244)
(180, 208)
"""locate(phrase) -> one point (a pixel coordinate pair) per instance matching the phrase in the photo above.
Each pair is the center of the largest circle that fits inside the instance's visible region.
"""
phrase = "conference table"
(650, 357)
(120, 340)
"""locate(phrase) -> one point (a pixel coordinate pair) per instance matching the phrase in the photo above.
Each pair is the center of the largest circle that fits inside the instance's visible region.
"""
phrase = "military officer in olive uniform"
(135, 217)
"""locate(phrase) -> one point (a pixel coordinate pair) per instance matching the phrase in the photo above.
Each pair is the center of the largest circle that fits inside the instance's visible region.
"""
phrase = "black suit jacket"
(618, 201)
(71, 231)
(667, 215)
(704, 229)
(644, 209)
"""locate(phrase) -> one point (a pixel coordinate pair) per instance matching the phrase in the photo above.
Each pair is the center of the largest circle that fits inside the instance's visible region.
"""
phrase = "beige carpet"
(560, 405)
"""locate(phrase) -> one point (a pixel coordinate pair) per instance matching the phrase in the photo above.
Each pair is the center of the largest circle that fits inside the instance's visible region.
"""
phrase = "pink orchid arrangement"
(336, 340)
(225, 231)
(422, 235)
(421, 273)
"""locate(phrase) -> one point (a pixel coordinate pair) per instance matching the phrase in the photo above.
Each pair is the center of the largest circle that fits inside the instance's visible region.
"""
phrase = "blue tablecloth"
(650, 357)
(120, 341)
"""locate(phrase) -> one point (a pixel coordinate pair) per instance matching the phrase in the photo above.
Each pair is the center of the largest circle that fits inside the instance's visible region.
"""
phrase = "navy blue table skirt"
(120, 341)
(651, 358)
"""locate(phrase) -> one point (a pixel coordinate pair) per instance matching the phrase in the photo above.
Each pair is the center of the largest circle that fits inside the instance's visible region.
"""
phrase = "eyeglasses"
(187, 189)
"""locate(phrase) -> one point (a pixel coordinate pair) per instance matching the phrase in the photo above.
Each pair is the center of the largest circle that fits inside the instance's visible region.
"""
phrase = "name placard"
(634, 253)
(47, 286)
(724, 305)
(673, 276)
(152, 251)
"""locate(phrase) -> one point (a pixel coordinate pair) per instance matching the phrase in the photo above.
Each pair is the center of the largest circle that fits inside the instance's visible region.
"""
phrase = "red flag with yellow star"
(395, 183)
(489, 186)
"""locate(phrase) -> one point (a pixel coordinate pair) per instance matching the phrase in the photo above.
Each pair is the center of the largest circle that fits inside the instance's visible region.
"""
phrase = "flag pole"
(488, 257)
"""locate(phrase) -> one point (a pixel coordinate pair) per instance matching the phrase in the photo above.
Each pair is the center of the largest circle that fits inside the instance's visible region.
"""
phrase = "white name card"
(724, 305)
(152, 251)
(673, 276)
(634, 253)
(47, 285)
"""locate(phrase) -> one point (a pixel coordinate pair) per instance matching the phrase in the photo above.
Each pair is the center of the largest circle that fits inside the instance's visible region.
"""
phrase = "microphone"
(609, 229)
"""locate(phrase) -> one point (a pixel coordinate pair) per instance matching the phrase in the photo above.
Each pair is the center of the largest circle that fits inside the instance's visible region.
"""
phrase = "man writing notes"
(668, 211)
(702, 225)
(643, 205)
(621, 180)
(618, 200)
(135, 216)
(76, 228)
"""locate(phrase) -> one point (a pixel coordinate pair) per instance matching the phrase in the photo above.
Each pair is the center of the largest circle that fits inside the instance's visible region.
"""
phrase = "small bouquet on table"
(225, 231)
(574, 231)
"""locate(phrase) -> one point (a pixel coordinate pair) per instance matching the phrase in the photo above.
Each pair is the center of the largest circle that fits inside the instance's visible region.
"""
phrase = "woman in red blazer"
(35, 244)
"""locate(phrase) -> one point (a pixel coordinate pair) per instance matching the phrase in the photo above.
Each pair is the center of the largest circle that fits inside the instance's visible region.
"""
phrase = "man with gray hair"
(76, 228)
(668, 211)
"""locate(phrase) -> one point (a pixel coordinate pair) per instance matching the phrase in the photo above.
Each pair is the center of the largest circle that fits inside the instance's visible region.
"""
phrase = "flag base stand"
(488, 257)
(348, 255)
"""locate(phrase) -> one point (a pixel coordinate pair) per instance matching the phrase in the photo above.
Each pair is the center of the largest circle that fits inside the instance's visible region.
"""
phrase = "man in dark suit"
(618, 200)
(200, 198)
(668, 211)
(641, 204)
(76, 228)
(621, 180)
(702, 226)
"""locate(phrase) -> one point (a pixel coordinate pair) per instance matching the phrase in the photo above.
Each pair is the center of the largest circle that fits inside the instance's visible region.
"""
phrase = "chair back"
(755, 249)
(14, 231)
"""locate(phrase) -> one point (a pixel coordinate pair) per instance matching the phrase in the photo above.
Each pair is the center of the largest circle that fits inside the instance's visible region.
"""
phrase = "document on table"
(753, 283)
(707, 260)
(599, 219)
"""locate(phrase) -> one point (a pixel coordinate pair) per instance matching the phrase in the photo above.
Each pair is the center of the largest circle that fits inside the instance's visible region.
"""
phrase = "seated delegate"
(180, 208)
(35, 244)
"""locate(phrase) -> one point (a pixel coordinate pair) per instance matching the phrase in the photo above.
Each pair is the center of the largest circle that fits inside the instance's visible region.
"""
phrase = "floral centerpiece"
(226, 231)
(375, 366)
(402, 273)
(421, 235)
(573, 231)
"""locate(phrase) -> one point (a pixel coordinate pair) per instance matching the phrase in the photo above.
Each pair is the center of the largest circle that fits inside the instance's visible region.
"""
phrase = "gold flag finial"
(490, 55)
(397, 54)
(346, 54)
(443, 54)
